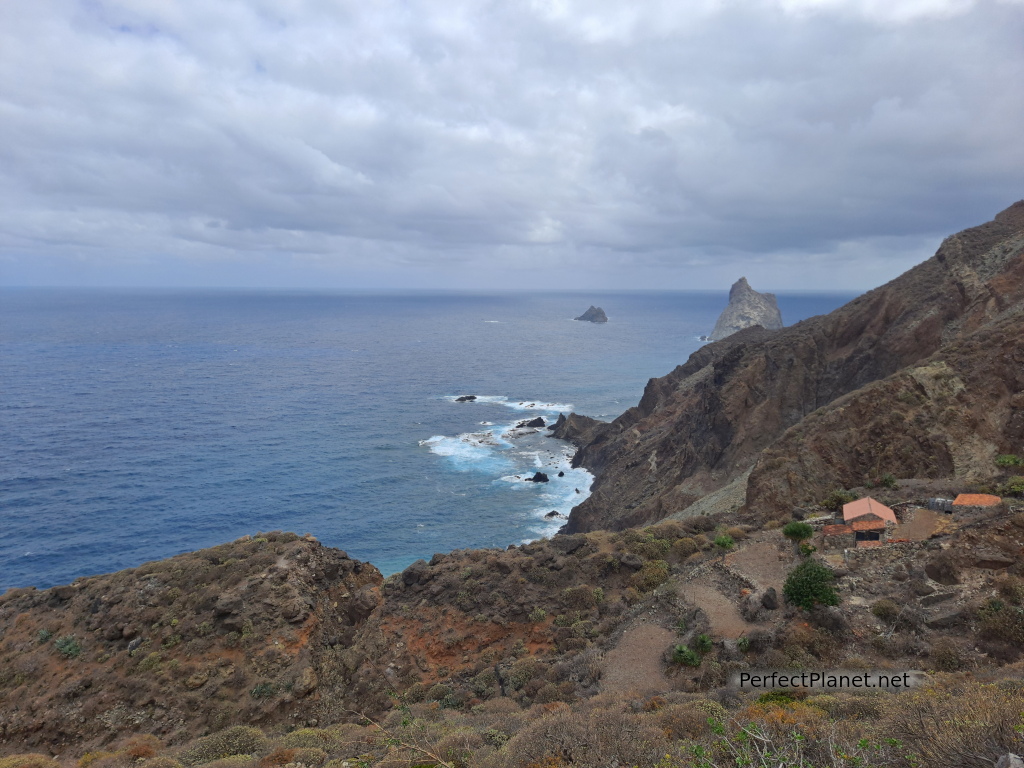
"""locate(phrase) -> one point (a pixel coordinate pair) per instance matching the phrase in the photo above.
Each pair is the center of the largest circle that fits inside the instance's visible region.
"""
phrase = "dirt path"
(924, 524)
(634, 665)
(723, 614)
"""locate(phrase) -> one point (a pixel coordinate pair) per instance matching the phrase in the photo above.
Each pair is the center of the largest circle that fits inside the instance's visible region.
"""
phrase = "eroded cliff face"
(708, 422)
(746, 309)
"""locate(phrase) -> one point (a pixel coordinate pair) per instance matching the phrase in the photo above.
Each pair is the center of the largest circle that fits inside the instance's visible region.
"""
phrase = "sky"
(527, 144)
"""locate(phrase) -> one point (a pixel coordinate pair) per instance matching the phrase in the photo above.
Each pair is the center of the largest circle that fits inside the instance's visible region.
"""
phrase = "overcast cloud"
(529, 143)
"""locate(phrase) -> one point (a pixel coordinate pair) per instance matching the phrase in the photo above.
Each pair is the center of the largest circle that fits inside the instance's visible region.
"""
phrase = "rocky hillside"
(718, 418)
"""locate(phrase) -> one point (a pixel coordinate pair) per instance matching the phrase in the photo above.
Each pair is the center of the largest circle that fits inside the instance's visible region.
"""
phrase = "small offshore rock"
(539, 477)
(465, 399)
(538, 422)
(593, 315)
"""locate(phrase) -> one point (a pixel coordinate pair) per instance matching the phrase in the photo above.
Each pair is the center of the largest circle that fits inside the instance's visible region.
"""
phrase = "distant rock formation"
(747, 308)
(593, 315)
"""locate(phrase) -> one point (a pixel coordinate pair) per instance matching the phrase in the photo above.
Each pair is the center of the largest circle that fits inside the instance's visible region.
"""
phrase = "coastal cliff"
(746, 309)
(702, 428)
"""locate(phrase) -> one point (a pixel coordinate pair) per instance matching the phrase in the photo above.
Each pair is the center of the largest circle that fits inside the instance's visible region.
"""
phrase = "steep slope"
(232, 634)
(706, 423)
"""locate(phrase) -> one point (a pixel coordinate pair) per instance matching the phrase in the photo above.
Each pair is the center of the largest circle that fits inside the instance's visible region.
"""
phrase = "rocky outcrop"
(746, 309)
(593, 315)
(711, 420)
(184, 645)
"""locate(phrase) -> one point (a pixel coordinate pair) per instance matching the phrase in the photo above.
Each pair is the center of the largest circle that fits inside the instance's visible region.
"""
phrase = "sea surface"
(139, 425)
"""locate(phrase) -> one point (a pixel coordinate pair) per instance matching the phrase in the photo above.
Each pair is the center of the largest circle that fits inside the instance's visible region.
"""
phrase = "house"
(977, 500)
(868, 519)
(976, 506)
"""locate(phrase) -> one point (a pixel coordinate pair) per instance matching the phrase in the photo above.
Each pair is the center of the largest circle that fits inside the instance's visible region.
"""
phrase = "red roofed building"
(868, 519)
(977, 500)
(868, 506)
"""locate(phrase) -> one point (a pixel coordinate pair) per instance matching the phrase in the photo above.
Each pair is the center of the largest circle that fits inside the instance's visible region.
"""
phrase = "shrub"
(652, 574)
(703, 644)
(810, 583)
(1000, 621)
(685, 547)
(797, 531)
(958, 725)
(743, 643)
(44, 635)
(1009, 460)
(725, 542)
(238, 740)
(579, 597)
(682, 654)
(142, 747)
(888, 480)
(886, 610)
(29, 760)
(538, 614)
(837, 498)
(67, 646)
(1013, 487)
(946, 656)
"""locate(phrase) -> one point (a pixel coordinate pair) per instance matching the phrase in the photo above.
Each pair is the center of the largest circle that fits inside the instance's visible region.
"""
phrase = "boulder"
(770, 599)
(538, 422)
(415, 573)
(631, 561)
(465, 399)
(568, 544)
(539, 477)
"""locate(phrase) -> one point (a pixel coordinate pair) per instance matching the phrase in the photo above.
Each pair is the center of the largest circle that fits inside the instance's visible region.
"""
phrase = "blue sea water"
(138, 425)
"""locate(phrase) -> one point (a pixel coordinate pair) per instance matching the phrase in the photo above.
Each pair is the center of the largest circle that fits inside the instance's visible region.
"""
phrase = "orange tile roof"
(836, 530)
(868, 525)
(869, 544)
(977, 500)
(868, 506)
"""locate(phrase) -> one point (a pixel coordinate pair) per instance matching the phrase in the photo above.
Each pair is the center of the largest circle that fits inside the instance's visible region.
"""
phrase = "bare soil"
(635, 664)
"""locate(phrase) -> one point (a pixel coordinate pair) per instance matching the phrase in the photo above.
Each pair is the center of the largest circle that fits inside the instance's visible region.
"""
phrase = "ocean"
(139, 425)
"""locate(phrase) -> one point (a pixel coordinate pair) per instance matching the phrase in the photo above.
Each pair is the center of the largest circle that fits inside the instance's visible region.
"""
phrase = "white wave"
(492, 321)
(516, 405)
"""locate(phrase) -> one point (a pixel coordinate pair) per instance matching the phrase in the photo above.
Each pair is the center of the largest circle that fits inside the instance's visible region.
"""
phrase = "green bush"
(538, 614)
(44, 635)
(238, 740)
(684, 655)
(743, 643)
(702, 644)
(725, 541)
(263, 690)
(797, 531)
(67, 646)
(888, 480)
(837, 498)
(1013, 487)
(810, 583)
(1009, 460)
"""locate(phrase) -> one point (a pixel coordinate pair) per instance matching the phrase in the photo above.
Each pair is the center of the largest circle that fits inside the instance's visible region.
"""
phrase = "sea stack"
(593, 315)
(747, 308)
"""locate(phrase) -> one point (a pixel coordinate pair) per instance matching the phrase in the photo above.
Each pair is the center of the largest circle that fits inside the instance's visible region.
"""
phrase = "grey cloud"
(334, 139)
